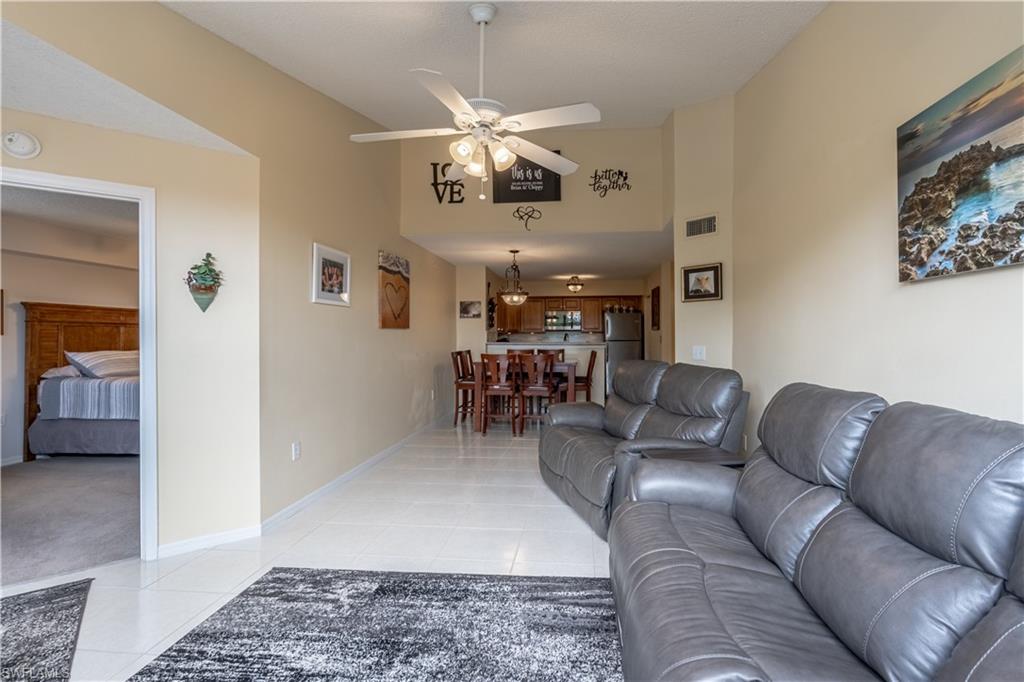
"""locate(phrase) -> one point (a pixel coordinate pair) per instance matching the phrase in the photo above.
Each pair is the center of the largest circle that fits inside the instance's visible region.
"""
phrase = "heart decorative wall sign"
(395, 291)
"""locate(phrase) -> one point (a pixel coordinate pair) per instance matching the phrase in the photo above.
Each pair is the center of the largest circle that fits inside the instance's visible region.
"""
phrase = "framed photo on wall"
(331, 276)
(655, 309)
(702, 282)
(394, 293)
(471, 310)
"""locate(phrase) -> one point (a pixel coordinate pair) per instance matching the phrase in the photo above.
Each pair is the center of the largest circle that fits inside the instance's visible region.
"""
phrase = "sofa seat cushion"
(718, 539)
(683, 618)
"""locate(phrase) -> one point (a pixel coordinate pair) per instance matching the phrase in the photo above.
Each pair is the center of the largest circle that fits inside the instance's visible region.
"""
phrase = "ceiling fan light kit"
(480, 120)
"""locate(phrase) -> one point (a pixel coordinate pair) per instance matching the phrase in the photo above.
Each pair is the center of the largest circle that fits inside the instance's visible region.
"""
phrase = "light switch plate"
(700, 353)
(296, 450)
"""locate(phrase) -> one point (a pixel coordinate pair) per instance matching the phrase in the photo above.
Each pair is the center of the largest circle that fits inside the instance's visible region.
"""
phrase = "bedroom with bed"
(71, 401)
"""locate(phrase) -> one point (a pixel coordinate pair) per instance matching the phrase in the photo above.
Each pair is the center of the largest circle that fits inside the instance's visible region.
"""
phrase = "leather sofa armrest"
(707, 486)
(589, 415)
(629, 452)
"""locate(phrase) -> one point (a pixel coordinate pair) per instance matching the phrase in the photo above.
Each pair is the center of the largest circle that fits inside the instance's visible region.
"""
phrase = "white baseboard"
(373, 461)
(207, 541)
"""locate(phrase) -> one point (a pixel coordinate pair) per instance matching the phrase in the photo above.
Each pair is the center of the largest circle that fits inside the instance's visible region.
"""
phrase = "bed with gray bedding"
(84, 415)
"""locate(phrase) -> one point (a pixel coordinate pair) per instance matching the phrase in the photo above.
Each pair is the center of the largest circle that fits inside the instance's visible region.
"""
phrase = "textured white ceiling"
(89, 214)
(41, 79)
(635, 61)
(605, 255)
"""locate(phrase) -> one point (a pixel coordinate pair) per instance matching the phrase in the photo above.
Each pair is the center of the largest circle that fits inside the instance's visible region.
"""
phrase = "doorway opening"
(79, 371)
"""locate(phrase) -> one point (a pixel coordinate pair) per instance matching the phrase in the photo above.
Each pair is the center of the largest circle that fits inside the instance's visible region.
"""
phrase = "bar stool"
(462, 367)
(537, 381)
(500, 380)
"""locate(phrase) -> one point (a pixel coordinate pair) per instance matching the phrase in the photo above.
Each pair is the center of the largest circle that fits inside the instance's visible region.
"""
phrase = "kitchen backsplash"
(548, 337)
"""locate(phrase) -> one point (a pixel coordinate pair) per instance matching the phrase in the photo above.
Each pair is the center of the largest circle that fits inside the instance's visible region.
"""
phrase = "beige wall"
(659, 343)
(328, 376)
(208, 441)
(28, 277)
(471, 285)
(817, 297)
(42, 238)
(703, 136)
(591, 287)
(580, 210)
(668, 169)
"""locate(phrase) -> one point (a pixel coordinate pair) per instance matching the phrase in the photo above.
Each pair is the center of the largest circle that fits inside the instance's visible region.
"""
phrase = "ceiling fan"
(484, 124)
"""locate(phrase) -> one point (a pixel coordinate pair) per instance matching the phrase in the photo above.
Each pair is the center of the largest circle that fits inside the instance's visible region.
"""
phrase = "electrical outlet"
(431, 394)
(700, 353)
(296, 450)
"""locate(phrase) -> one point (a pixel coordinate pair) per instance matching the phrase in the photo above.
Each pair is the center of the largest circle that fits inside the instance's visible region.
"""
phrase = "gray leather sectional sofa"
(859, 542)
(655, 410)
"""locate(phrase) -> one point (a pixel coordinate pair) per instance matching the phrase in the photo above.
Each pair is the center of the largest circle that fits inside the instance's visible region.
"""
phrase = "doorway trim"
(145, 197)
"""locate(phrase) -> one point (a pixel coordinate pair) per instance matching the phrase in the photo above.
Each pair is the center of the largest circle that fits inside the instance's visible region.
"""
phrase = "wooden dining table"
(565, 368)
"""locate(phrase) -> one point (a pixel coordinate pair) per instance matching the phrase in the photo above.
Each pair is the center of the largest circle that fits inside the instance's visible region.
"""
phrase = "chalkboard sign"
(526, 182)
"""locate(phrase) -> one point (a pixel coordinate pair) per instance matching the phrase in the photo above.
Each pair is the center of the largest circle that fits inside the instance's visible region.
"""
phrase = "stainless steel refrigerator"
(624, 336)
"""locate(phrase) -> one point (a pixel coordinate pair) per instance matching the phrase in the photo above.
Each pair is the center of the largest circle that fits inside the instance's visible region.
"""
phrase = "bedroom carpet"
(40, 630)
(322, 624)
(64, 514)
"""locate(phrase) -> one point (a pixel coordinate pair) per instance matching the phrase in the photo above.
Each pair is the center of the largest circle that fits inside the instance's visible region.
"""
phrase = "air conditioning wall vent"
(701, 226)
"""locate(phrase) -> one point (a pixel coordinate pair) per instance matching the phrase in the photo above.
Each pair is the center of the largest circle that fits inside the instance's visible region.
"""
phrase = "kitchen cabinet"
(553, 304)
(533, 315)
(570, 304)
(592, 314)
(608, 302)
(633, 302)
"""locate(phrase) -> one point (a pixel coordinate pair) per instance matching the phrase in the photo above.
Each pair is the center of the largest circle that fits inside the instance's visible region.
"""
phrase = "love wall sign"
(394, 292)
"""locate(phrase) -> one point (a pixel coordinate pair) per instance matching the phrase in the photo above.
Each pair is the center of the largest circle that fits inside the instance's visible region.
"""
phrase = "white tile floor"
(448, 501)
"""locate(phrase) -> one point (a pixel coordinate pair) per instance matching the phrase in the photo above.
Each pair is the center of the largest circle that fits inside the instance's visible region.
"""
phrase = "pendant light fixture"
(513, 293)
(574, 284)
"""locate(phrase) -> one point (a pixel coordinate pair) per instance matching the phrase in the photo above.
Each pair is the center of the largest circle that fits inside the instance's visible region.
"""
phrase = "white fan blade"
(455, 173)
(569, 115)
(440, 88)
(402, 134)
(538, 154)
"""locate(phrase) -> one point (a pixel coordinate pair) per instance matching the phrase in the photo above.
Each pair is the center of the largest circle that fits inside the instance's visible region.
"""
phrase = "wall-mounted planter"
(203, 296)
(204, 281)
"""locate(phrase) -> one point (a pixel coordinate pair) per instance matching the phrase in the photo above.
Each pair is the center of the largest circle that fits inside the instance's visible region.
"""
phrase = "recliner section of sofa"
(654, 406)
(860, 541)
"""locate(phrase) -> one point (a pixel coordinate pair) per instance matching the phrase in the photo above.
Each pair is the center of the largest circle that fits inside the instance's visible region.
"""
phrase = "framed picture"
(394, 290)
(702, 282)
(959, 164)
(655, 309)
(331, 276)
(471, 310)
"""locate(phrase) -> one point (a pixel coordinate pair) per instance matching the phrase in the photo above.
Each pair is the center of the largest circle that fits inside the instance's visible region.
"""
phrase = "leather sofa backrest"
(634, 388)
(693, 403)
(815, 432)
(949, 482)
(907, 568)
(810, 438)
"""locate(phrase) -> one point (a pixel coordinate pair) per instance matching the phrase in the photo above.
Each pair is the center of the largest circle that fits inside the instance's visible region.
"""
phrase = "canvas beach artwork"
(394, 292)
(960, 167)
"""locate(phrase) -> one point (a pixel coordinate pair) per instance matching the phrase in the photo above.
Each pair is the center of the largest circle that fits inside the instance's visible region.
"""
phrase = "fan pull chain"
(483, 179)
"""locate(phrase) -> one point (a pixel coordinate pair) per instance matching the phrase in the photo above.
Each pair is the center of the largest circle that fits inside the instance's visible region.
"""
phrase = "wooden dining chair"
(462, 367)
(520, 351)
(538, 382)
(584, 382)
(501, 388)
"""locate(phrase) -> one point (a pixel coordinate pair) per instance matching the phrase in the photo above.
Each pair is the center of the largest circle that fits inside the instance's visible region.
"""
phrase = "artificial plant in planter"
(204, 280)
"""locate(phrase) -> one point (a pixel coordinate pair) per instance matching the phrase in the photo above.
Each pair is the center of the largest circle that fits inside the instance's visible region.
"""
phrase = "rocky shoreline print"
(926, 237)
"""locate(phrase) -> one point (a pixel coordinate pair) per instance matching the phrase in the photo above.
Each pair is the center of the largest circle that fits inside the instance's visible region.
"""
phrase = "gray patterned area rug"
(319, 624)
(39, 631)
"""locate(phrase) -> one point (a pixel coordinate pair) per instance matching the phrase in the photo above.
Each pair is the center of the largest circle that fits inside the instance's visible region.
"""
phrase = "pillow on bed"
(101, 364)
(61, 372)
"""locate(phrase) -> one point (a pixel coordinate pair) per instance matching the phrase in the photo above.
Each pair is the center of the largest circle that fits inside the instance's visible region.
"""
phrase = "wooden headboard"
(52, 328)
